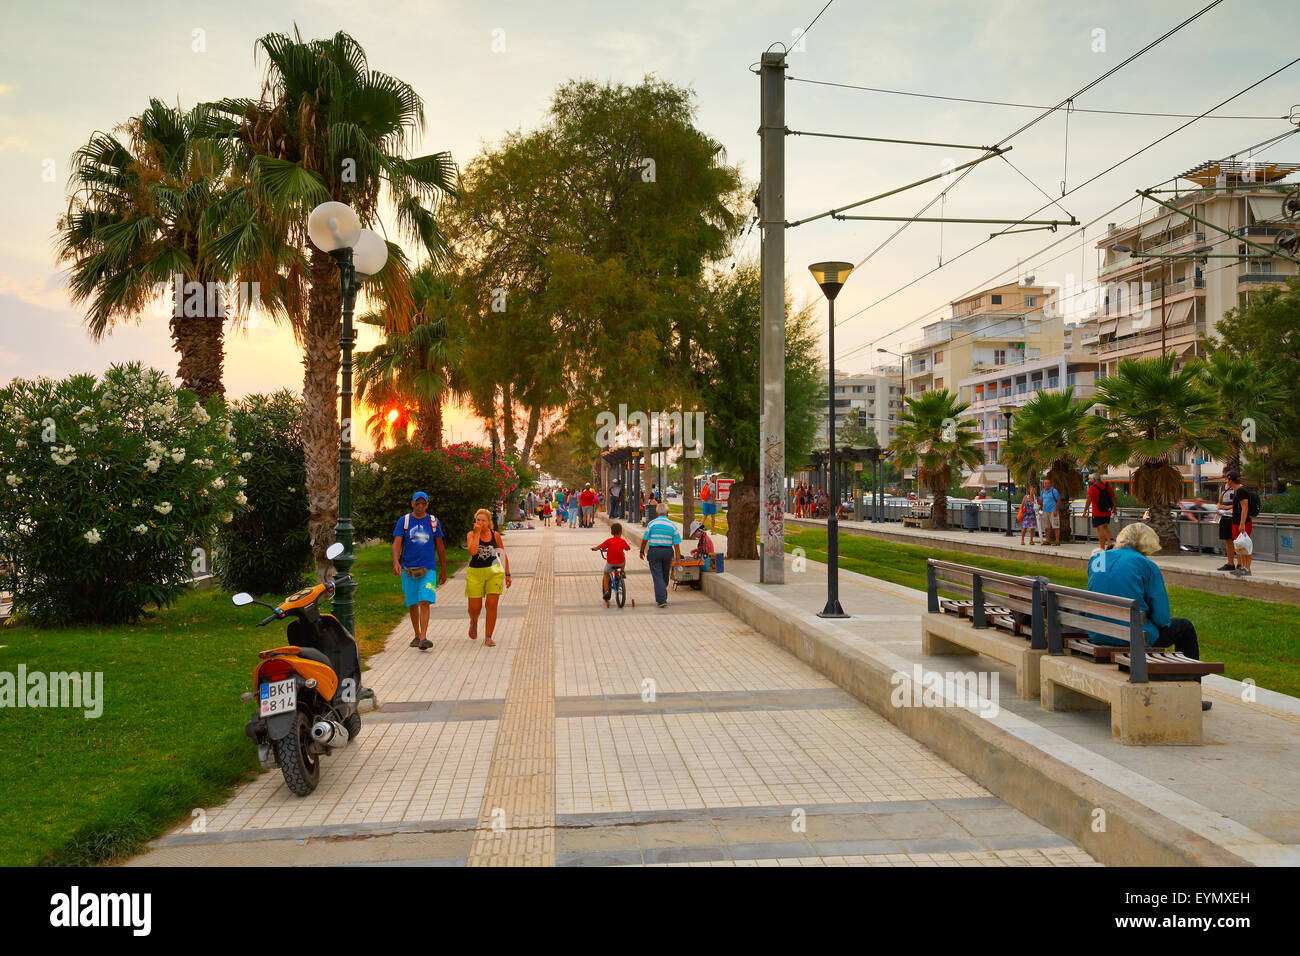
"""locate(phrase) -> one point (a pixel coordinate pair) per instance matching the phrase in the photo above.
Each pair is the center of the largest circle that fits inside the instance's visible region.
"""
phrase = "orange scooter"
(307, 691)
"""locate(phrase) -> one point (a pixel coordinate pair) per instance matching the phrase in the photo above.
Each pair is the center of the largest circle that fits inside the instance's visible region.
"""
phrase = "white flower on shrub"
(89, 428)
(228, 517)
(243, 482)
(92, 536)
(151, 465)
(13, 480)
(65, 456)
(163, 508)
(201, 416)
(203, 492)
(247, 456)
(293, 491)
(21, 443)
(218, 483)
(83, 410)
(156, 410)
(242, 499)
(140, 528)
(178, 455)
(158, 448)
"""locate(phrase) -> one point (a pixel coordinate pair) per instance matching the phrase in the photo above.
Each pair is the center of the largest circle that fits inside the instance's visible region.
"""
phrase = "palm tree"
(933, 436)
(1154, 413)
(326, 126)
(1249, 397)
(418, 368)
(1047, 439)
(138, 220)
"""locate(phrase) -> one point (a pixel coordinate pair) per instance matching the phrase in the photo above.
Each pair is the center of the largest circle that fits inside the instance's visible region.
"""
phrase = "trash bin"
(970, 517)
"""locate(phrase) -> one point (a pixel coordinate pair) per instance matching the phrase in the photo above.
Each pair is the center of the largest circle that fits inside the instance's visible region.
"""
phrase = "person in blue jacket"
(1126, 571)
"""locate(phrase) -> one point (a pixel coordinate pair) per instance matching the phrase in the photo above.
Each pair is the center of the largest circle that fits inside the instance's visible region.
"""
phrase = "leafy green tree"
(933, 437)
(729, 394)
(1267, 329)
(138, 219)
(1152, 414)
(1251, 399)
(327, 126)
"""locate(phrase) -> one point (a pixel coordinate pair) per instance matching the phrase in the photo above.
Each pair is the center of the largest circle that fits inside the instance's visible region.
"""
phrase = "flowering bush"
(266, 549)
(110, 489)
(459, 480)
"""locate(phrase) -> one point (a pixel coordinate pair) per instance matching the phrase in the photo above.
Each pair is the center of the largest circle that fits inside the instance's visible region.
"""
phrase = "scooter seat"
(314, 655)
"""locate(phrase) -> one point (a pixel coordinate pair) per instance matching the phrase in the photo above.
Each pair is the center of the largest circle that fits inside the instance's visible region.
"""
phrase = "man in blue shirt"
(419, 559)
(1049, 516)
(1126, 571)
(664, 543)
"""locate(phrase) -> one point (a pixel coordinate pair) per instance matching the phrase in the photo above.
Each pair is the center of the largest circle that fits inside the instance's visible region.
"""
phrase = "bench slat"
(1102, 653)
(1096, 625)
(1161, 662)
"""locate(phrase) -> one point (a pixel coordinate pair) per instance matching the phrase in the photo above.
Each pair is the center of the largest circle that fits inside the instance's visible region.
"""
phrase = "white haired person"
(1126, 571)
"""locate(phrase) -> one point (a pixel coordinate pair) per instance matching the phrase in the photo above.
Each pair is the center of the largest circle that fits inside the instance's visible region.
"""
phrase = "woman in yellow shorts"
(486, 574)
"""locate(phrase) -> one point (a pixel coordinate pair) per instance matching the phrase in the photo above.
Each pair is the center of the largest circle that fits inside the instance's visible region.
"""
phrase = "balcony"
(1144, 339)
(1259, 229)
(1151, 297)
(1264, 277)
(1169, 246)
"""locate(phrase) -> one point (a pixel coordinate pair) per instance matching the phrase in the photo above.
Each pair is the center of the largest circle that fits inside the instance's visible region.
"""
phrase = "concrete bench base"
(1165, 712)
(947, 634)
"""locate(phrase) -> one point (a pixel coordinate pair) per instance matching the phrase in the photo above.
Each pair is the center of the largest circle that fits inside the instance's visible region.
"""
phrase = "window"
(997, 300)
(938, 383)
(1069, 378)
(862, 419)
(938, 357)
(857, 388)
(999, 356)
(839, 389)
(1031, 301)
(871, 388)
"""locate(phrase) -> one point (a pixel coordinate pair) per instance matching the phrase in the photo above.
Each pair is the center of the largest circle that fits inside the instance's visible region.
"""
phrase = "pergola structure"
(626, 465)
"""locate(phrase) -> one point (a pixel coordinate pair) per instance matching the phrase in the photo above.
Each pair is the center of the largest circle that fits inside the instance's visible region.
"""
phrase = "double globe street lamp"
(831, 276)
(334, 227)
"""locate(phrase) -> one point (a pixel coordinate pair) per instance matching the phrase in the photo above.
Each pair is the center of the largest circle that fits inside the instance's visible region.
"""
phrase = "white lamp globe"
(369, 253)
(332, 226)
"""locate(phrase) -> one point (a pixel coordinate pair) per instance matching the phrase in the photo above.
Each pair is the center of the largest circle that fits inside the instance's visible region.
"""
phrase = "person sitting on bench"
(1126, 571)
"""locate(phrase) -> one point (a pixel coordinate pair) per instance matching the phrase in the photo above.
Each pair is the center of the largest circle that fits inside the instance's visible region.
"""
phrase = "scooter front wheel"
(301, 768)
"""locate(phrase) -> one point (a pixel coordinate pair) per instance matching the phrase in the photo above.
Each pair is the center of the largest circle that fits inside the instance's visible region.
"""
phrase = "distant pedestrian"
(1225, 524)
(709, 501)
(663, 543)
(1029, 515)
(1049, 518)
(587, 502)
(1245, 505)
(1100, 505)
(488, 571)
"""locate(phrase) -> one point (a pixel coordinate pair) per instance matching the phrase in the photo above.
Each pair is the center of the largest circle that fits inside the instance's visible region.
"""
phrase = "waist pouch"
(417, 573)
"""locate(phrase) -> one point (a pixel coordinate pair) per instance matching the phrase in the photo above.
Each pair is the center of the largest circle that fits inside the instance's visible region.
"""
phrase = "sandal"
(473, 631)
(489, 642)
(426, 644)
(415, 641)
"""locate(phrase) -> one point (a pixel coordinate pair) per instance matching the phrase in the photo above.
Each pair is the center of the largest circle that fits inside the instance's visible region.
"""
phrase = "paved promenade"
(595, 736)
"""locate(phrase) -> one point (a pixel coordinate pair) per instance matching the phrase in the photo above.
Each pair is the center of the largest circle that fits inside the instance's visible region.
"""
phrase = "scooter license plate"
(278, 697)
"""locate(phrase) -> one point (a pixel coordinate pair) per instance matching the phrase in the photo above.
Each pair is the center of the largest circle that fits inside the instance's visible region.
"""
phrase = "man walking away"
(664, 543)
(709, 500)
(615, 499)
(419, 559)
(1101, 505)
(1245, 505)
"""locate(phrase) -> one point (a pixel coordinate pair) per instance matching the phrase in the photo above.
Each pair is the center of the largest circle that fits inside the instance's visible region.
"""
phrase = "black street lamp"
(831, 276)
(333, 227)
(1007, 412)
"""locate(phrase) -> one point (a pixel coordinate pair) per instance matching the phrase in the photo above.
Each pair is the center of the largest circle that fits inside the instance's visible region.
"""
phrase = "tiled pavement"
(595, 736)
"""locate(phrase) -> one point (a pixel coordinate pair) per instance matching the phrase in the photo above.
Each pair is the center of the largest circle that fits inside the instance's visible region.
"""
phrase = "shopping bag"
(1243, 544)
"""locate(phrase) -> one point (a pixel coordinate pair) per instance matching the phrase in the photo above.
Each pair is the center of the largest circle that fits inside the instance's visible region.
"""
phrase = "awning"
(1107, 326)
(1177, 314)
(985, 477)
(1156, 227)
(1265, 207)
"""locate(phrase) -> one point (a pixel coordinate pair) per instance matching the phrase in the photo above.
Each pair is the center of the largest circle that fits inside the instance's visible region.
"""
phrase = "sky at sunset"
(68, 70)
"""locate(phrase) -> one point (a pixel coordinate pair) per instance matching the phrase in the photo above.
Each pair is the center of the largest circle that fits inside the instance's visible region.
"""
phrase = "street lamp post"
(333, 227)
(1007, 412)
(831, 276)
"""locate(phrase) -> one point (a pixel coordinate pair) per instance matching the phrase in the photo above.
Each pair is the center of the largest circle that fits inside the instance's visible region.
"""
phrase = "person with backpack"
(1101, 506)
(419, 559)
(1245, 505)
(709, 502)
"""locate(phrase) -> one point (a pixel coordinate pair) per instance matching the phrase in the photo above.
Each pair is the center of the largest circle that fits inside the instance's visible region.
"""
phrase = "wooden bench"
(918, 516)
(992, 621)
(1166, 710)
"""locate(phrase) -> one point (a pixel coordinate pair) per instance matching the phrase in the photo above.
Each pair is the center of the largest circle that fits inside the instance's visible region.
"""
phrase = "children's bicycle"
(617, 584)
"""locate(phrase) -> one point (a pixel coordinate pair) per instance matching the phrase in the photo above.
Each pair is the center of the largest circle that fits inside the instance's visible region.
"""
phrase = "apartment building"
(871, 399)
(1004, 325)
(1205, 272)
(991, 394)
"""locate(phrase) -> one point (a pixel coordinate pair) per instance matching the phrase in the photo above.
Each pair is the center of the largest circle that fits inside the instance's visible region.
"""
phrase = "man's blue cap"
(418, 495)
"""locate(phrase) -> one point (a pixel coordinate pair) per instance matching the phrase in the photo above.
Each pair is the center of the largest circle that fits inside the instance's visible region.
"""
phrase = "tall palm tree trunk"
(534, 420)
(1163, 524)
(939, 511)
(428, 423)
(320, 392)
(200, 342)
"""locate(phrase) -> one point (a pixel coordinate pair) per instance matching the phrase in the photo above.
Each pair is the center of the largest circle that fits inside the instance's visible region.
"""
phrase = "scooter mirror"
(334, 550)
(242, 598)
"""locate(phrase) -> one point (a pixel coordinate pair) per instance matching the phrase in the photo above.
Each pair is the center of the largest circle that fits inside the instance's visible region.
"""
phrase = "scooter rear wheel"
(301, 768)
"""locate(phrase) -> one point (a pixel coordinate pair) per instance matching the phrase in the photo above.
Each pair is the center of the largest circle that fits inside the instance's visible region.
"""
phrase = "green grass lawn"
(1254, 639)
(171, 737)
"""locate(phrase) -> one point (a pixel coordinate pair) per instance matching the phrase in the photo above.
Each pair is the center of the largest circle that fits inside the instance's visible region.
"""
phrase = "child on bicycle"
(615, 547)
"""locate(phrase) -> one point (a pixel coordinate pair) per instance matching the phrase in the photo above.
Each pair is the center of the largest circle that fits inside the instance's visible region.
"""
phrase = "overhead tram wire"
(1081, 185)
(1027, 106)
(1046, 113)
